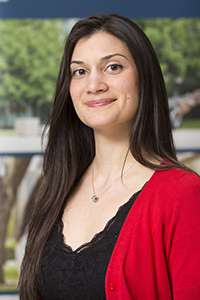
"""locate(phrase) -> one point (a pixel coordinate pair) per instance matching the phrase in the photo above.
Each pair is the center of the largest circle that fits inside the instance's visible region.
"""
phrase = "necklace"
(96, 198)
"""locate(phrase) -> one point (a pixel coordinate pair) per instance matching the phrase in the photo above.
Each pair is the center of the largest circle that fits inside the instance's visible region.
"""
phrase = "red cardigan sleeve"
(184, 259)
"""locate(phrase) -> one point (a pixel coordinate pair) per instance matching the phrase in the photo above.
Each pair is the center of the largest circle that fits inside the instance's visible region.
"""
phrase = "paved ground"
(7, 297)
(184, 139)
(19, 144)
(187, 138)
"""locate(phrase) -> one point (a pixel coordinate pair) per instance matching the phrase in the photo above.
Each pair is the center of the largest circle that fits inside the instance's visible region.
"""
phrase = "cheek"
(130, 97)
(75, 95)
(76, 89)
(73, 92)
(129, 85)
(129, 91)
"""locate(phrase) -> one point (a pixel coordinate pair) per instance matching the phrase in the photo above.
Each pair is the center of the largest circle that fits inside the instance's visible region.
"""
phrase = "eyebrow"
(102, 59)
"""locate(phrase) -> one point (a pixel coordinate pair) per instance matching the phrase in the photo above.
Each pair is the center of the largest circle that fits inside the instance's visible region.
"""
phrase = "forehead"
(97, 45)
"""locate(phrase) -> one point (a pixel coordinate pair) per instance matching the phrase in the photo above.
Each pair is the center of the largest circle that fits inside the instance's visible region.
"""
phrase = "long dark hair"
(71, 148)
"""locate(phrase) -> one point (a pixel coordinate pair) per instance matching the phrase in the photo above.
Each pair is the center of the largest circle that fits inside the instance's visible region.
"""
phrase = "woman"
(117, 216)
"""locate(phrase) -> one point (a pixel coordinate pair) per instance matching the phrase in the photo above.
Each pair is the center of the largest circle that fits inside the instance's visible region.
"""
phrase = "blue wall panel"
(78, 8)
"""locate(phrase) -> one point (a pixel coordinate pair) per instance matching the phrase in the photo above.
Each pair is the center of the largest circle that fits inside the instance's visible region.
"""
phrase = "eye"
(78, 72)
(114, 68)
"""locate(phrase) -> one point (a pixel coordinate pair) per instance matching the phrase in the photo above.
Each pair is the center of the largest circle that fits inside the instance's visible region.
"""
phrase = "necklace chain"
(94, 197)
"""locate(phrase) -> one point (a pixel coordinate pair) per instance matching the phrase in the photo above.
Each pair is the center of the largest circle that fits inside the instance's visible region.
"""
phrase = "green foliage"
(10, 246)
(177, 45)
(8, 289)
(7, 132)
(11, 274)
(30, 52)
(191, 123)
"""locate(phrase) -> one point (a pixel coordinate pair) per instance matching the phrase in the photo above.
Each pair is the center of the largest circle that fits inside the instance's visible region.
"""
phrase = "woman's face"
(104, 82)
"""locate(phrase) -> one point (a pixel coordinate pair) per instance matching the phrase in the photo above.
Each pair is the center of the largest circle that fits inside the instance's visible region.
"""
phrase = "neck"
(111, 154)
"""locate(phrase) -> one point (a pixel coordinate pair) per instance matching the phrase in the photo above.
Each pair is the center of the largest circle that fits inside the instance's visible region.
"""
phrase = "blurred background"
(30, 53)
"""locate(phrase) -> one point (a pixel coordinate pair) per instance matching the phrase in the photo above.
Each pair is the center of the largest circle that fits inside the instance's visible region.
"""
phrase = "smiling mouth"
(99, 103)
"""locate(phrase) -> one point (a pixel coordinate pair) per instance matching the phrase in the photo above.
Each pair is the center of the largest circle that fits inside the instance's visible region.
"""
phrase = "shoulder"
(171, 190)
(176, 192)
(177, 179)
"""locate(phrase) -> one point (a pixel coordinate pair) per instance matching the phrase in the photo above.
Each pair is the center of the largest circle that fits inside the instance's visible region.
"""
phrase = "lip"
(100, 102)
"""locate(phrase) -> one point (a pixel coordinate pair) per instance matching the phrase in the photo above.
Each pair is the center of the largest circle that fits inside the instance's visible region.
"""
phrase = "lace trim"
(99, 235)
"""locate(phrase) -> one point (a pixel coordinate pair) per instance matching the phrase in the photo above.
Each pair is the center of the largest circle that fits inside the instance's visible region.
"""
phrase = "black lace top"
(67, 274)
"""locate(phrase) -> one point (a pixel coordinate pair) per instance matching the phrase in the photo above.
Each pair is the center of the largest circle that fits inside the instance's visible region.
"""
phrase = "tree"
(16, 168)
(30, 52)
(177, 45)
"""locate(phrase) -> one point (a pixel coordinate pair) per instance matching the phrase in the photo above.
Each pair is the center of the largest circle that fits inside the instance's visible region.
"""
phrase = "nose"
(96, 83)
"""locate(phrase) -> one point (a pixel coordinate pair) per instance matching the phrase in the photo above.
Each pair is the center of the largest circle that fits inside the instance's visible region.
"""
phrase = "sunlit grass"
(8, 288)
(7, 132)
(11, 278)
(191, 123)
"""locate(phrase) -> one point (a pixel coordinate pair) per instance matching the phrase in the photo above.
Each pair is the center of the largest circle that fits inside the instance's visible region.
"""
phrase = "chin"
(98, 124)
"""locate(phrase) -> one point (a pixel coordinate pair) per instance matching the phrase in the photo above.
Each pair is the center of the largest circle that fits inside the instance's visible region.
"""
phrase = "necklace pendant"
(95, 198)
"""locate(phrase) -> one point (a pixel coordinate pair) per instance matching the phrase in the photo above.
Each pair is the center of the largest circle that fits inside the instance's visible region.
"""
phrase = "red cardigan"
(157, 254)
